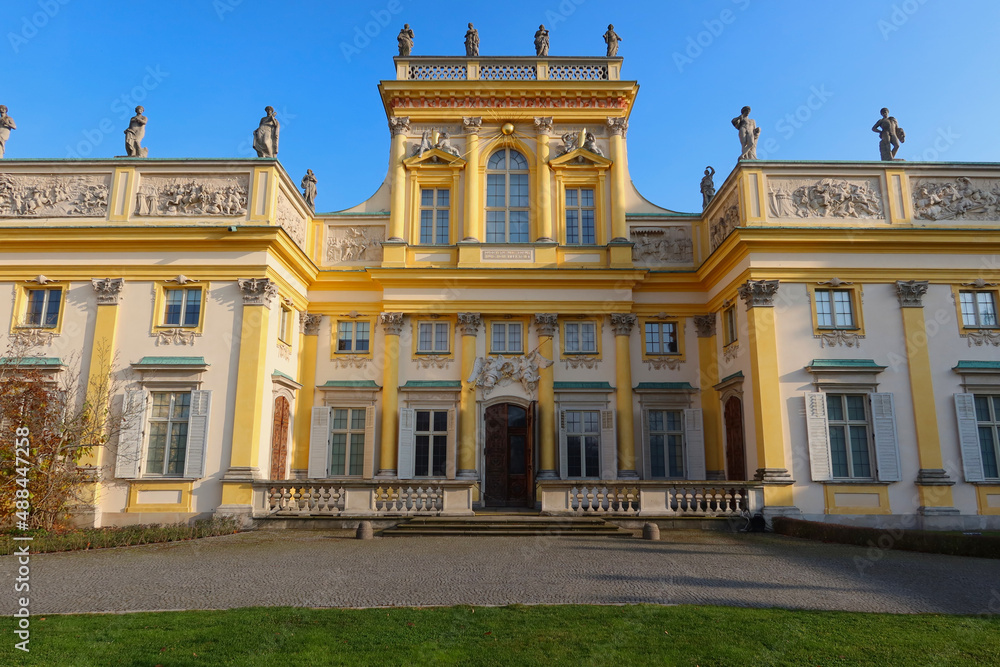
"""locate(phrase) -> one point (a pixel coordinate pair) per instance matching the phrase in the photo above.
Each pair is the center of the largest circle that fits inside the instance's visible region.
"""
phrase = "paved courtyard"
(328, 569)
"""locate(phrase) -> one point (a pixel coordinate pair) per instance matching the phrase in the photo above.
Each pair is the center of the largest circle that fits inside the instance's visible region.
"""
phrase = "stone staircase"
(507, 525)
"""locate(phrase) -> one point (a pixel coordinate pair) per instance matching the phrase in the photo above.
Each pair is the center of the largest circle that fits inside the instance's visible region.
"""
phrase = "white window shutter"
(130, 435)
(405, 456)
(645, 445)
(968, 437)
(694, 444)
(319, 443)
(563, 445)
(452, 452)
(886, 441)
(201, 404)
(818, 432)
(609, 445)
(368, 470)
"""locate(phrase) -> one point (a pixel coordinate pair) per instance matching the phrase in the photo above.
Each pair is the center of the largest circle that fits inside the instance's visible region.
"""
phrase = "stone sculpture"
(590, 144)
(309, 188)
(134, 134)
(6, 125)
(444, 144)
(204, 196)
(405, 39)
(54, 196)
(611, 38)
(961, 199)
(569, 143)
(425, 143)
(707, 187)
(748, 134)
(541, 41)
(490, 372)
(265, 137)
(826, 198)
(890, 135)
(472, 42)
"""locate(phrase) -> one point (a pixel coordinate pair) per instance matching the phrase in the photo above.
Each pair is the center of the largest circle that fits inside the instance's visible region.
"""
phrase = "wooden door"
(279, 438)
(736, 467)
(509, 464)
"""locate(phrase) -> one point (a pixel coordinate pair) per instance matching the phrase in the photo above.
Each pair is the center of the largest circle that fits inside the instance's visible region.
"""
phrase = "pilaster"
(545, 325)
(468, 325)
(622, 324)
(308, 344)
(392, 325)
(708, 367)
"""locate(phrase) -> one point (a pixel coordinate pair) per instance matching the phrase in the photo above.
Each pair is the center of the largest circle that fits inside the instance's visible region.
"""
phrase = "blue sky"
(815, 74)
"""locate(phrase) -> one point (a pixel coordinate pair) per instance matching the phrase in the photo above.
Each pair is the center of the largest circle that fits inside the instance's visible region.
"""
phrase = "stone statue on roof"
(134, 135)
(265, 137)
(707, 187)
(472, 42)
(541, 41)
(405, 39)
(6, 125)
(890, 135)
(308, 186)
(748, 134)
(611, 38)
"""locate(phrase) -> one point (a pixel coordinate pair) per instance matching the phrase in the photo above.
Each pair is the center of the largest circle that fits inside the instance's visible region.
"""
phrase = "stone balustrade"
(509, 68)
(651, 498)
(333, 499)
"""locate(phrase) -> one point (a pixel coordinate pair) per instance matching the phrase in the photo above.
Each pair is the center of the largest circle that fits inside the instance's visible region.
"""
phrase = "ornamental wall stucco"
(656, 246)
(55, 196)
(192, 196)
(291, 220)
(354, 244)
(825, 198)
(963, 198)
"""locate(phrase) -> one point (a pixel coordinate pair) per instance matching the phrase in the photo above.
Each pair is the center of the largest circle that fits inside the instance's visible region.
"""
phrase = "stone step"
(506, 526)
(430, 532)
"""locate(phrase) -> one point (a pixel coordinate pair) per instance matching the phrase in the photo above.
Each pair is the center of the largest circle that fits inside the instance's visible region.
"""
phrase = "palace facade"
(508, 323)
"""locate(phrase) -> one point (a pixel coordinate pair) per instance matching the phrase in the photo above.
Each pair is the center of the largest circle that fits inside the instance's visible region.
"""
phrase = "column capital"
(618, 127)
(911, 293)
(622, 323)
(108, 290)
(392, 323)
(399, 125)
(258, 291)
(759, 293)
(309, 324)
(546, 323)
(704, 325)
(472, 124)
(468, 323)
(543, 125)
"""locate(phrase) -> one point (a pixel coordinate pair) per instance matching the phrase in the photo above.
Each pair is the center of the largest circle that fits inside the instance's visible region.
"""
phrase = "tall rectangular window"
(583, 443)
(183, 307)
(353, 337)
(850, 448)
(168, 433)
(506, 338)
(729, 328)
(434, 212)
(988, 421)
(431, 443)
(666, 443)
(580, 216)
(979, 309)
(661, 338)
(43, 308)
(433, 337)
(581, 338)
(347, 441)
(834, 309)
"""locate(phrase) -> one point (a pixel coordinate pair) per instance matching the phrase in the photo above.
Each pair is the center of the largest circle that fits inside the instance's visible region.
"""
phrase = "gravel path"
(328, 569)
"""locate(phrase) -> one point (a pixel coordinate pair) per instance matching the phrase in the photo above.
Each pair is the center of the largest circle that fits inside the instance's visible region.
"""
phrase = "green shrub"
(124, 536)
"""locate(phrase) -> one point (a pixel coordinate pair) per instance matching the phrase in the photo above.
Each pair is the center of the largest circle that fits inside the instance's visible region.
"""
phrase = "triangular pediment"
(580, 157)
(434, 157)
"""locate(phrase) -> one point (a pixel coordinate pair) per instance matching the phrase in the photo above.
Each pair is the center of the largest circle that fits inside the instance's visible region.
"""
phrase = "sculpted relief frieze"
(54, 196)
(723, 225)
(662, 245)
(825, 198)
(961, 199)
(215, 195)
(290, 220)
(355, 244)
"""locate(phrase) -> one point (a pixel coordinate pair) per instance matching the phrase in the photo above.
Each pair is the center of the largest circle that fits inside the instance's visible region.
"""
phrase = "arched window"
(507, 197)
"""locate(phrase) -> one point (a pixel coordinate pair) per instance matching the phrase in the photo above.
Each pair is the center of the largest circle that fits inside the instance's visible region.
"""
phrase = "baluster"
(334, 503)
(591, 492)
(322, 500)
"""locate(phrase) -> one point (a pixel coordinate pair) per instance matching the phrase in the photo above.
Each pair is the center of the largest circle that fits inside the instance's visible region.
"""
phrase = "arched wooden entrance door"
(736, 466)
(279, 438)
(508, 470)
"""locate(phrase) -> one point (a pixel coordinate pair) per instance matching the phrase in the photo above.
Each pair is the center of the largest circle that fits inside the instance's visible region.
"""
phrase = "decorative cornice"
(543, 124)
(258, 291)
(392, 323)
(839, 337)
(468, 323)
(40, 279)
(622, 323)
(704, 325)
(834, 282)
(399, 125)
(180, 280)
(546, 323)
(472, 124)
(759, 293)
(618, 126)
(911, 292)
(108, 290)
(979, 283)
(309, 324)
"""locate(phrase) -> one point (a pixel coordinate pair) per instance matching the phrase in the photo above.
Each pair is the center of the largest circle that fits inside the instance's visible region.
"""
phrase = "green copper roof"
(171, 361)
(603, 386)
(426, 384)
(843, 363)
(283, 375)
(32, 361)
(360, 384)
(977, 365)
(737, 374)
(665, 386)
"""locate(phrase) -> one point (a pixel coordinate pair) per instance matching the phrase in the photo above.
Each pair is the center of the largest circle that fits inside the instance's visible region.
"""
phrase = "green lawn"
(517, 635)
